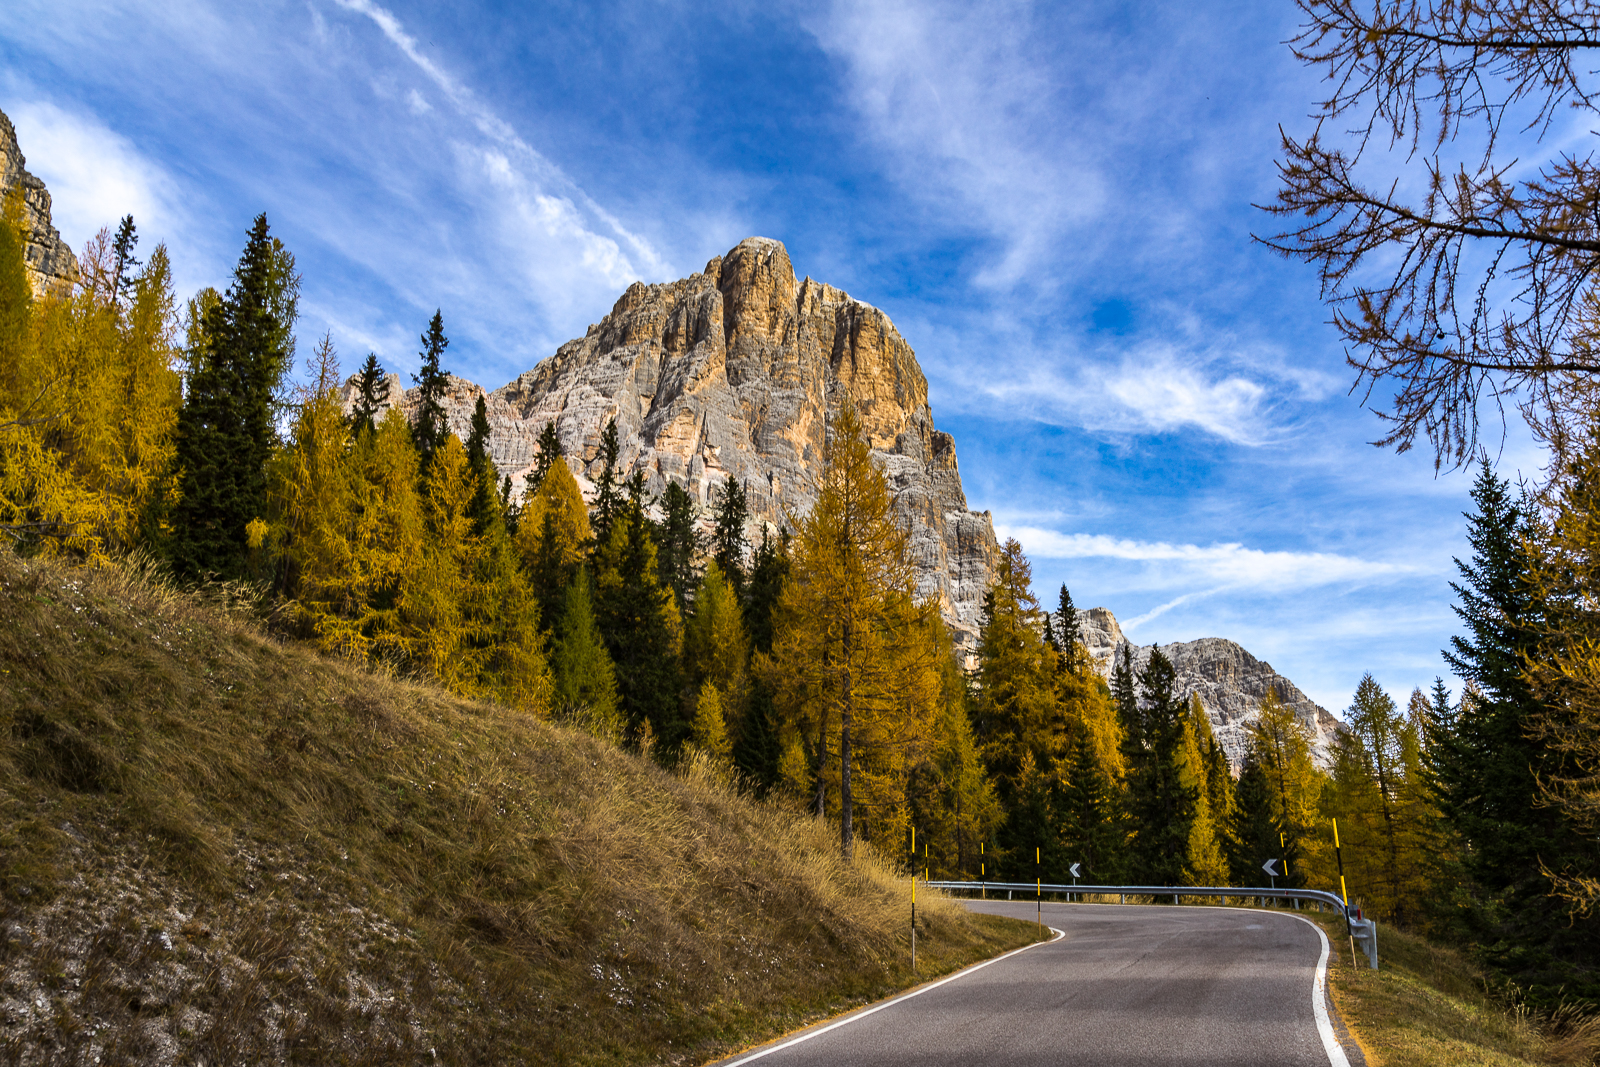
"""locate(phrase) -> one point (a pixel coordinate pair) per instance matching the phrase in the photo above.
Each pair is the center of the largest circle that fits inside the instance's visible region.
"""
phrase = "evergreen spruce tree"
(1488, 767)
(585, 680)
(549, 451)
(124, 263)
(608, 496)
(1069, 634)
(1126, 698)
(372, 392)
(432, 382)
(1161, 805)
(486, 506)
(226, 426)
(639, 618)
(731, 512)
(768, 571)
(678, 543)
(758, 748)
(1087, 807)
(1253, 827)
(1029, 838)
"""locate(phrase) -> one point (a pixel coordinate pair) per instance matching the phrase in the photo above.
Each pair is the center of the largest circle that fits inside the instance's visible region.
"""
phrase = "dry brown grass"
(217, 847)
(1430, 1006)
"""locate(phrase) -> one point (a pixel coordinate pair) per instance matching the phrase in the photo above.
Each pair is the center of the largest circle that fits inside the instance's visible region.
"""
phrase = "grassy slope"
(215, 847)
(1429, 1006)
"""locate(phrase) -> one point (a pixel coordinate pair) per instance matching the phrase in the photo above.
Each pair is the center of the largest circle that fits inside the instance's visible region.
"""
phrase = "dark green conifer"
(1029, 839)
(1127, 701)
(1087, 805)
(549, 451)
(1160, 806)
(1068, 632)
(123, 262)
(372, 391)
(677, 544)
(486, 506)
(226, 425)
(633, 620)
(729, 547)
(757, 749)
(1486, 761)
(608, 495)
(1253, 828)
(432, 382)
(768, 571)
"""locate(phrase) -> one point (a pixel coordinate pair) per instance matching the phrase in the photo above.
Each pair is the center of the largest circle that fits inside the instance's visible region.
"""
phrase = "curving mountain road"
(1122, 985)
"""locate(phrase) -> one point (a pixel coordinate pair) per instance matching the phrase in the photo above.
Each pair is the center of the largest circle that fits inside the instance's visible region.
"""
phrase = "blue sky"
(1053, 203)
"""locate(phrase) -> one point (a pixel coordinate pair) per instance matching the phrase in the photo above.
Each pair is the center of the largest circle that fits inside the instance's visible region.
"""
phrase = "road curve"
(1124, 985)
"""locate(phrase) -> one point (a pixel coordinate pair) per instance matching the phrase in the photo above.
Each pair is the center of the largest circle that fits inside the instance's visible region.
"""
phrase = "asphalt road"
(1124, 985)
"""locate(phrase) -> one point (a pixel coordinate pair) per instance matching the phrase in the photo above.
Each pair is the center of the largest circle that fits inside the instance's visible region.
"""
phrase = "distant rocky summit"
(51, 264)
(738, 370)
(1231, 683)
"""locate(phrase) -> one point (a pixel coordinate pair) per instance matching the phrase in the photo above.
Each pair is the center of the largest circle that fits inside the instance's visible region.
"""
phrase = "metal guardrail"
(1362, 931)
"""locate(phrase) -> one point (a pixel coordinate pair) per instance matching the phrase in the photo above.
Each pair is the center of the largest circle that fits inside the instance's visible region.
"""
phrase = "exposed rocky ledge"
(51, 264)
(1230, 681)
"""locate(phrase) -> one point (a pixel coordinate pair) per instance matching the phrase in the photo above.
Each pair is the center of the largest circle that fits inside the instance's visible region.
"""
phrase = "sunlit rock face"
(1231, 683)
(51, 264)
(738, 371)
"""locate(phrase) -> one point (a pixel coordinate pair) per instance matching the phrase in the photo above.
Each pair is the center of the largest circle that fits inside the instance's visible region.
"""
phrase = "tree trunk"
(847, 829)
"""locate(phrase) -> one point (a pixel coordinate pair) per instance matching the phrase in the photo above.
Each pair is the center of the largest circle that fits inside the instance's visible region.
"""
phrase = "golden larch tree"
(855, 676)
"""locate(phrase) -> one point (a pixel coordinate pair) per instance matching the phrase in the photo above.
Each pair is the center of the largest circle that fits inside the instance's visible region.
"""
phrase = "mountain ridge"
(738, 370)
(1230, 682)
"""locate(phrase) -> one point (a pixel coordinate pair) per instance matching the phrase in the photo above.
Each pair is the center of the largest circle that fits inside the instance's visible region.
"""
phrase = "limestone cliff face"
(1230, 681)
(738, 370)
(51, 264)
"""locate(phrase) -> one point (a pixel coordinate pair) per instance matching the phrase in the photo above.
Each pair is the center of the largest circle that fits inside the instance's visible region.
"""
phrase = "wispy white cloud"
(1213, 567)
(1155, 388)
(967, 111)
(564, 208)
(95, 176)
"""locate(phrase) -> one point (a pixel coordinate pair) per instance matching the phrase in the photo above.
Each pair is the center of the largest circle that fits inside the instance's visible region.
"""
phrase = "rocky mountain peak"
(1230, 682)
(51, 264)
(738, 371)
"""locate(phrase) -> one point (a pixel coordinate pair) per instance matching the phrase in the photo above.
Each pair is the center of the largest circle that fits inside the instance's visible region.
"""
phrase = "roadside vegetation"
(1430, 1005)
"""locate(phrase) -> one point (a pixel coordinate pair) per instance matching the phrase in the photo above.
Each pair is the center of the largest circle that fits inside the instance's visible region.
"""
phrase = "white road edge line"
(1319, 1001)
(907, 996)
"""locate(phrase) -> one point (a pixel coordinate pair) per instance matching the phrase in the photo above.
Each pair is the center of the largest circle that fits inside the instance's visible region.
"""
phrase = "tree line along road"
(1121, 985)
